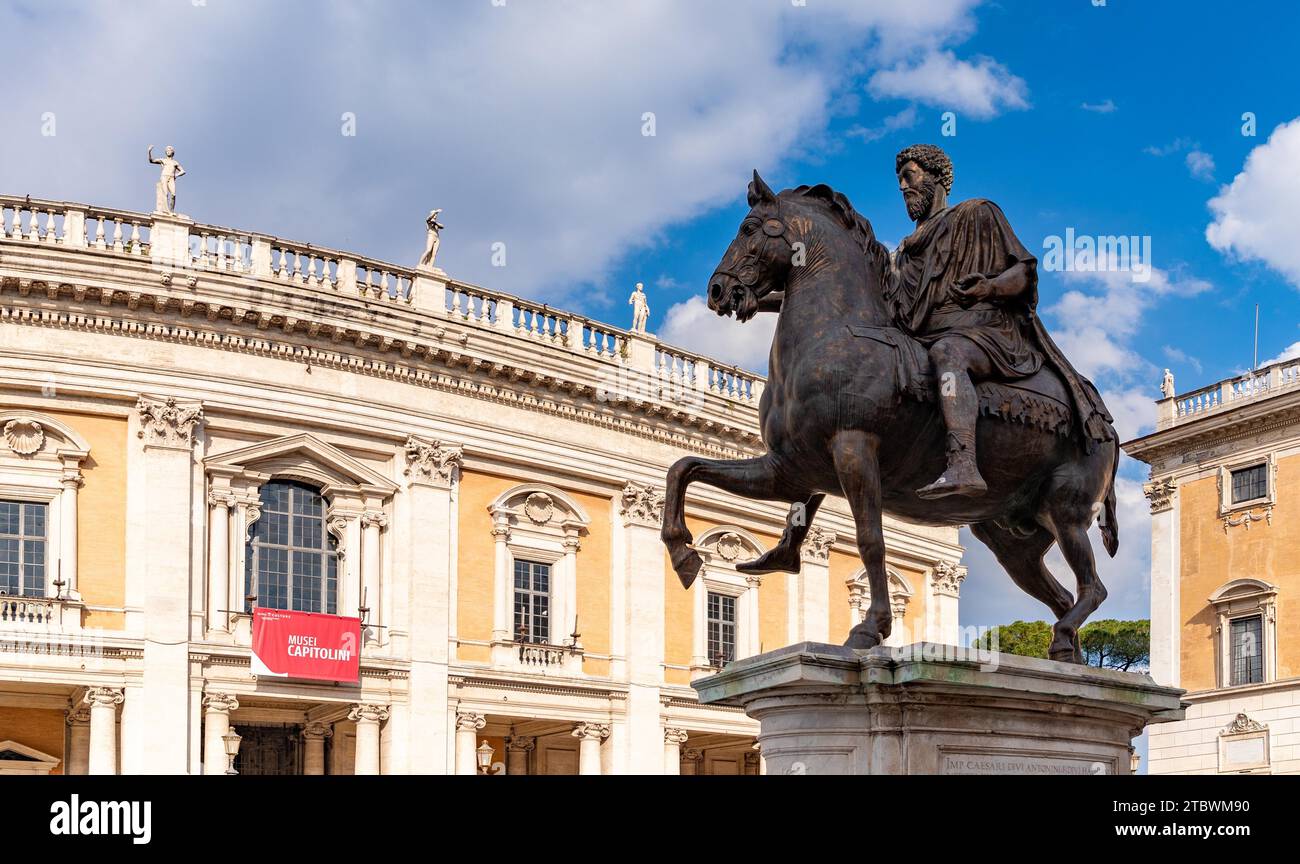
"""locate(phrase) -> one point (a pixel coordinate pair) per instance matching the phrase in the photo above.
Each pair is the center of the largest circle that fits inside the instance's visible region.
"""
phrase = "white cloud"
(1177, 145)
(522, 121)
(1107, 107)
(1255, 216)
(1180, 356)
(694, 326)
(904, 119)
(1290, 352)
(981, 89)
(1201, 164)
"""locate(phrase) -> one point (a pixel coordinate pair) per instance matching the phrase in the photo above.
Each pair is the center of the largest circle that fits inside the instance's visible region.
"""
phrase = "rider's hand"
(972, 289)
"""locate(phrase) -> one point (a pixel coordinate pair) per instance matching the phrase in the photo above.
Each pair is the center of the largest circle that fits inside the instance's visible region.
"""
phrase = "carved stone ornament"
(729, 547)
(432, 461)
(1241, 723)
(1160, 493)
(1246, 518)
(168, 422)
(539, 508)
(368, 713)
(817, 546)
(643, 503)
(948, 579)
(24, 437)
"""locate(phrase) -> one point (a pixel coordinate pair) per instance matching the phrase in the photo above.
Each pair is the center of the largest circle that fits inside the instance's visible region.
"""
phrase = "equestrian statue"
(920, 384)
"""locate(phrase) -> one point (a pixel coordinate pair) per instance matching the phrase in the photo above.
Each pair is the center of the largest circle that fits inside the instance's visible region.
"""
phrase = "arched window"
(291, 560)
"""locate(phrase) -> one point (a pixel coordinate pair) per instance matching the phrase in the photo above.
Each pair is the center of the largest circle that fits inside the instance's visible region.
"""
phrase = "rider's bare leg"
(957, 360)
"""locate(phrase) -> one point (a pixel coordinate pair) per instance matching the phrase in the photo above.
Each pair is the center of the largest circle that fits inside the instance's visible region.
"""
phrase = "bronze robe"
(975, 237)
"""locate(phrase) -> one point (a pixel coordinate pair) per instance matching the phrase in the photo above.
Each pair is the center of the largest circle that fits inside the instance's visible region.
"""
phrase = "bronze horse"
(835, 421)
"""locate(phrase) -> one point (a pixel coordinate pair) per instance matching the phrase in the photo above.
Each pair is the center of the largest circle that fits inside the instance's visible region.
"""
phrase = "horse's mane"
(853, 221)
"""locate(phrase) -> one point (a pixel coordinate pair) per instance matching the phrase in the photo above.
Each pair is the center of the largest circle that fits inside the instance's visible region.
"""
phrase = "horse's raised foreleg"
(784, 556)
(748, 478)
(858, 469)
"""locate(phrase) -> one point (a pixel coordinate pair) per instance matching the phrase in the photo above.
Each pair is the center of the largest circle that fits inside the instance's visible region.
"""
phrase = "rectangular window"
(532, 602)
(22, 548)
(1250, 483)
(722, 628)
(1247, 635)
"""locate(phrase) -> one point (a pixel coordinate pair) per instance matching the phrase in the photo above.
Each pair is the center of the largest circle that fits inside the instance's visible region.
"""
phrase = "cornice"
(460, 372)
(1228, 427)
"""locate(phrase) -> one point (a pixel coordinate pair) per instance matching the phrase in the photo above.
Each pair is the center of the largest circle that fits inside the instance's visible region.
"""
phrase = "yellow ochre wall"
(101, 504)
(41, 728)
(1211, 557)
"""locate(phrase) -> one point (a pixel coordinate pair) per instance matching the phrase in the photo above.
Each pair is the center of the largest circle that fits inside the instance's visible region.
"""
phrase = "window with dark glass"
(722, 628)
(22, 548)
(292, 561)
(1250, 483)
(1247, 636)
(532, 601)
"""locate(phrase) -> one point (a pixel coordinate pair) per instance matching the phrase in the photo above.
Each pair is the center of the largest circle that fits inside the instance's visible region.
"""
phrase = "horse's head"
(758, 261)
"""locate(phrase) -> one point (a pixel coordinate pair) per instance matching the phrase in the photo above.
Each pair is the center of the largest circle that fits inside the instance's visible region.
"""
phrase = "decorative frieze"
(432, 461)
(1241, 723)
(167, 422)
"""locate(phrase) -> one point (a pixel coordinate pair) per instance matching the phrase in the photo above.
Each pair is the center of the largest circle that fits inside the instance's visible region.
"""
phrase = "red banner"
(288, 644)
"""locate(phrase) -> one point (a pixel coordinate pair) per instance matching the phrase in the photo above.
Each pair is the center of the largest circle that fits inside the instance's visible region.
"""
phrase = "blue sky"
(525, 123)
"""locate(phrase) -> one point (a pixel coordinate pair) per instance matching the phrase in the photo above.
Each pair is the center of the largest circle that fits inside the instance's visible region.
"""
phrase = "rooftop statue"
(165, 191)
(433, 239)
(640, 309)
(920, 384)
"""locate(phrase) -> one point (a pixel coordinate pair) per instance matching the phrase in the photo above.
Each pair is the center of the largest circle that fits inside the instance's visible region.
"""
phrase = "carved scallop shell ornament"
(24, 437)
(538, 507)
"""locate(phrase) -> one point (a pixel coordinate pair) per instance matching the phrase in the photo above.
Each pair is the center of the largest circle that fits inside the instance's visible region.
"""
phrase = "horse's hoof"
(778, 560)
(861, 640)
(687, 564)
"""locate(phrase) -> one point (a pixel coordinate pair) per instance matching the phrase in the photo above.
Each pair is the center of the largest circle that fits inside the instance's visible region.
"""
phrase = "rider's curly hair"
(932, 160)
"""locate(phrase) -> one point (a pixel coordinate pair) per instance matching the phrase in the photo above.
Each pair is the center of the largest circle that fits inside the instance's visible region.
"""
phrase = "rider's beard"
(919, 201)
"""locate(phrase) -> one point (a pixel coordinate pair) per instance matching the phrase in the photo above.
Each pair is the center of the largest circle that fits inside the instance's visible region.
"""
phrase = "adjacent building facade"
(199, 420)
(1225, 572)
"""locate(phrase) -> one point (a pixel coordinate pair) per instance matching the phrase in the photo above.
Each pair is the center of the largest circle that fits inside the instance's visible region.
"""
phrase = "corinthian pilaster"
(168, 422)
(642, 504)
(432, 462)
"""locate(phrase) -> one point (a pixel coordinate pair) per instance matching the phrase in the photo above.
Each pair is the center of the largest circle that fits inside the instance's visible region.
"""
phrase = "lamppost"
(231, 740)
(484, 754)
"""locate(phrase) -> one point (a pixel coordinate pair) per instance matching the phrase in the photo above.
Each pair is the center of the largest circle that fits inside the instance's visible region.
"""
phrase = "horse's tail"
(1109, 524)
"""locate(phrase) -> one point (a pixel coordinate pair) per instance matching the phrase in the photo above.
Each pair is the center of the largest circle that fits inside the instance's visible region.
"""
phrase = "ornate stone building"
(197, 420)
(1225, 572)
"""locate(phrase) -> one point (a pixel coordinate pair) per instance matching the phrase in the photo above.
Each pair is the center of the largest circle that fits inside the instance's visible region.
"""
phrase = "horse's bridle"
(747, 269)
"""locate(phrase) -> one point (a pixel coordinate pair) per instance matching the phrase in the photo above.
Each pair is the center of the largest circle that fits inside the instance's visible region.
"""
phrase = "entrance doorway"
(269, 750)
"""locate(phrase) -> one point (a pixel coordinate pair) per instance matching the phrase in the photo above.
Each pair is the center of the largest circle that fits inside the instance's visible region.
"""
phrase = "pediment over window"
(1243, 589)
(538, 507)
(302, 457)
(19, 758)
(727, 544)
(30, 435)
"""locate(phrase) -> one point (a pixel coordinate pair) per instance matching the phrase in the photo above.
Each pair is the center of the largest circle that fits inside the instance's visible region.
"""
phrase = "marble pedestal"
(938, 709)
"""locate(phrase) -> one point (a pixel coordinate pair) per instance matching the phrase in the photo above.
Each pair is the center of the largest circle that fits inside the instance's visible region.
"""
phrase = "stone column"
(858, 601)
(1165, 578)
(589, 736)
(691, 760)
(673, 741)
(432, 474)
(699, 630)
(642, 570)
(367, 717)
(501, 599)
(517, 749)
(71, 480)
(946, 582)
(372, 521)
(467, 726)
(159, 554)
(248, 509)
(216, 723)
(103, 702)
(78, 721)
(313, 748)
(751, 632)
(219, 504)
